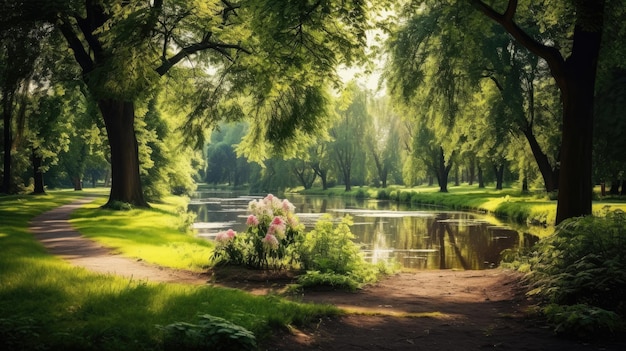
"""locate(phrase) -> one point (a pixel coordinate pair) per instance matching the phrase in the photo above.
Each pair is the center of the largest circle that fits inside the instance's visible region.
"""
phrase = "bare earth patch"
(426, 310)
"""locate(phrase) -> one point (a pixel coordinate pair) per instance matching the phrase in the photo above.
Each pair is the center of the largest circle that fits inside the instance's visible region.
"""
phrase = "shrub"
(331, 257)
(383, 195)
(583, 321)
(361, 194)
(582, 264)
(273, 228)
(211, 333)
(404, 196)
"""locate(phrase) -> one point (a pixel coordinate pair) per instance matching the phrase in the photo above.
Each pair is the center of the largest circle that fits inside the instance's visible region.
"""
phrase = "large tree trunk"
(481, 180)
(119, 118)
(578, 88)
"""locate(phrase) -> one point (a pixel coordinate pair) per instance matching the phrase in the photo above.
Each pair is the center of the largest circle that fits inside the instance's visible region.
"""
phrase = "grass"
(47, 304)
(156, 235)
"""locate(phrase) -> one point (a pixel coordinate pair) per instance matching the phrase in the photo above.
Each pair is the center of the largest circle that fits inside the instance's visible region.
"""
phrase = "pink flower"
(277, 227)
(288, 206)
(224, 237)
(252, 221)
(278, 221)
(270, 242)
(230, 233)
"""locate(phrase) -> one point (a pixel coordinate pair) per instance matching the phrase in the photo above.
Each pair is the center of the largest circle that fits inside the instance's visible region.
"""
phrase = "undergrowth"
(579, 275)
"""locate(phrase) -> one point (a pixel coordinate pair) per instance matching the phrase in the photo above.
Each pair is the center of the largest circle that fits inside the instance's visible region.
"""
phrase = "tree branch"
(81, 55)
(550, 54)
(192, 49)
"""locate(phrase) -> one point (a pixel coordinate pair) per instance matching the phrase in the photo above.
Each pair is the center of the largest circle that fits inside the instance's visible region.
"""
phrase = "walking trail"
(426, 310)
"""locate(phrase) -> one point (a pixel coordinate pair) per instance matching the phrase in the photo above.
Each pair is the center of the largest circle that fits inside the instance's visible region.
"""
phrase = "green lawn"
(47, 304)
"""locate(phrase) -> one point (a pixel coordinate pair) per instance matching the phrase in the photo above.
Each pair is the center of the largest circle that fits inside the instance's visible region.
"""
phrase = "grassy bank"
(47, 304)
(158, 235)
(528, 208)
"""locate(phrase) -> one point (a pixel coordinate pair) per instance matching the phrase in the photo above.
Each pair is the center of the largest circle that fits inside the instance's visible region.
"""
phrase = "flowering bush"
(268, 241)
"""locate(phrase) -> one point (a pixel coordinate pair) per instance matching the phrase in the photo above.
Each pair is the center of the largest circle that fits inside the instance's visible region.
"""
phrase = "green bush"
(583, 321)
(404, 196)
(383, 195)
(330, 257)
(211, 333)
(582, 264)
(361, 194)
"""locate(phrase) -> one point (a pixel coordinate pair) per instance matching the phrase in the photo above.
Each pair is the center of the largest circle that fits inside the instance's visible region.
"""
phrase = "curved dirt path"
(61, 239)
(426, 310)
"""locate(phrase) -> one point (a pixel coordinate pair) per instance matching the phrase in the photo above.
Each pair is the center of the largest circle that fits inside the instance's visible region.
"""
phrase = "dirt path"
(427, 310)
(61, 239)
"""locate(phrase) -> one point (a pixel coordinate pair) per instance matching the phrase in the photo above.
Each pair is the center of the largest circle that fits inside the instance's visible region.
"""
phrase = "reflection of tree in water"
(464, 243)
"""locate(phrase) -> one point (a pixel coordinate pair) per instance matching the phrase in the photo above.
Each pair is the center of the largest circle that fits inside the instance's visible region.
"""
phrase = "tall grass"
(47, 304)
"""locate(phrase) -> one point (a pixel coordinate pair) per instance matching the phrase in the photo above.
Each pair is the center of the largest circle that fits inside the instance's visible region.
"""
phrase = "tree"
(575, 76)
(19, 49)
(287, 50)
(349, 131)
(384, 143)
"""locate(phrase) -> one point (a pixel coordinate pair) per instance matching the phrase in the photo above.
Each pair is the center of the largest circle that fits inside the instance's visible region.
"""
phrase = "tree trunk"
(37, 173)
(78, 184)
(481, 181)
(471, 173)
(550, 178)
(8, 143)
(119, 118)
(525, 184)
(499, 176)
(346, 178)
(614, 190)
(575, 188)
(442, 172)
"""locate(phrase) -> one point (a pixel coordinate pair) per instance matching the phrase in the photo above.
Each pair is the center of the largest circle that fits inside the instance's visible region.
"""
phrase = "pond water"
(417, 238)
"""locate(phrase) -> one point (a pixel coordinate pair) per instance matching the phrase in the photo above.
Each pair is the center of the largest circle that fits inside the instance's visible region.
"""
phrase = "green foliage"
(330, 257)
(383, 194)
(583, 321)
(361, 194)
(583, 262)
(212, 333)
(580, 271)
(339, 281)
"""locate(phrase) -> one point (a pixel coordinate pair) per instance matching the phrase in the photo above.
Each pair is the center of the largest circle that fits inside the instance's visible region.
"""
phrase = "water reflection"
(416, 238)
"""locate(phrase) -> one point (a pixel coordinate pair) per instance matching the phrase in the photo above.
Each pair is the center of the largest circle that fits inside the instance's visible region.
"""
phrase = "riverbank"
(533, 208)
